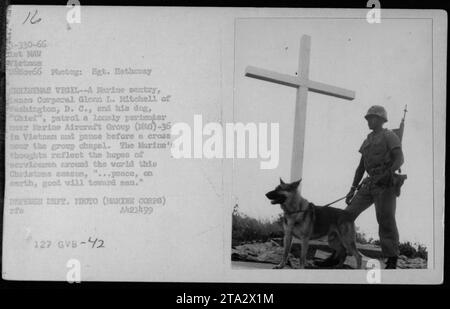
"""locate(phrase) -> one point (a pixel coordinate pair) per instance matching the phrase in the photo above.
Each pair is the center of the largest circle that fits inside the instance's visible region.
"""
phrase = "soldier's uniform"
(376, 153)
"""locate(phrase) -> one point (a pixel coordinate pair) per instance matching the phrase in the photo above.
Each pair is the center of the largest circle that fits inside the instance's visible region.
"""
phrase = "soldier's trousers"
(384, 199)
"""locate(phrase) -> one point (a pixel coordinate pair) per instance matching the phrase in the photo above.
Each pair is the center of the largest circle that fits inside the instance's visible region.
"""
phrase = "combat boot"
(391, 262)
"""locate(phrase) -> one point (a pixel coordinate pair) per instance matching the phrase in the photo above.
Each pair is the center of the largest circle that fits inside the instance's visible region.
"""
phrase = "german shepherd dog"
(306, 221)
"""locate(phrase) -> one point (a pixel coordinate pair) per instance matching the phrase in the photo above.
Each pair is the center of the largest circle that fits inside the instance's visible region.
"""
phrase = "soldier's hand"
(350, 195)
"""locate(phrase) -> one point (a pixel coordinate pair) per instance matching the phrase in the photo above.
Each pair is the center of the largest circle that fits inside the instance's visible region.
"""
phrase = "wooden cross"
(303, 84)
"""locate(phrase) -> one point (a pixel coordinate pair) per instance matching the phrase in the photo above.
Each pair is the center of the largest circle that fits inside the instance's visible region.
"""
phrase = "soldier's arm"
(395, 146)
(359, 173)
(397, 158)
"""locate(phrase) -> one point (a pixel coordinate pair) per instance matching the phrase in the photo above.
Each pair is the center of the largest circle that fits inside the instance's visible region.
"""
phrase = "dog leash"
(329, 204)
(340, 199)
(303, 210)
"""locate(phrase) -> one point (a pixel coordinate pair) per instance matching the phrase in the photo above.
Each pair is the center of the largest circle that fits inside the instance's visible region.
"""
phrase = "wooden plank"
(300, 112)
(330, 90)
(271, 76)
(294, 81)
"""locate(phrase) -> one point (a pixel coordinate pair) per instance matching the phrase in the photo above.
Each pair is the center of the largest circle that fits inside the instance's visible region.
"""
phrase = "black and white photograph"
(354, 104)
(224, 145)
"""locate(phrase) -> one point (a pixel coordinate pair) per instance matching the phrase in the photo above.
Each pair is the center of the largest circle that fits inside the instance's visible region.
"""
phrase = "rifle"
(399, 179)
(400, 130)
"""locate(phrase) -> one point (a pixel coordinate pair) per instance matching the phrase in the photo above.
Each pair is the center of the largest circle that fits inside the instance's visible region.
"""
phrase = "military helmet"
(377, 110)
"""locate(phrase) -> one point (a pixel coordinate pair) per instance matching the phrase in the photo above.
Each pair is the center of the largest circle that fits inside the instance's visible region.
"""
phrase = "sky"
(387, 64)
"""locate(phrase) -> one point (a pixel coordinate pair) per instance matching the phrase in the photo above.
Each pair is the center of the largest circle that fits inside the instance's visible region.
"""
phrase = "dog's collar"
(296, 212)
(301, 210)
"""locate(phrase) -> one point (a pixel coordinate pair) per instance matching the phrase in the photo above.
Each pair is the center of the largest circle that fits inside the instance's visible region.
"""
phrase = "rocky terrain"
(271, 252)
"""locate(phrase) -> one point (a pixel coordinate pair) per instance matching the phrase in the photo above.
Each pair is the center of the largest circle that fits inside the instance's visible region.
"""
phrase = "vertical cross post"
(303, 85)
(300, 110)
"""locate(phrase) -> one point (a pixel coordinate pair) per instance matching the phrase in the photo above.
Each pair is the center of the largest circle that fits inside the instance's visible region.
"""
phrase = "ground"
(265, 255)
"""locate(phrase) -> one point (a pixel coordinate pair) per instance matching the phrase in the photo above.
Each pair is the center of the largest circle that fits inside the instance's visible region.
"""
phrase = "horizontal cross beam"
(271, 76)
(330, 90)
(297, 81)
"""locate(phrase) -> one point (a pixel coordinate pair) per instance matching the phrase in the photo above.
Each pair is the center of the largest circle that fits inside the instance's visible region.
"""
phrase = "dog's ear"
(295, 184)
(281, 181)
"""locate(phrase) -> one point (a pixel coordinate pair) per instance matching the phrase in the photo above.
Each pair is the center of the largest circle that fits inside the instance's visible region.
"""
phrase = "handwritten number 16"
(32, 20)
